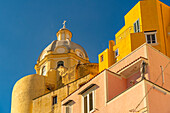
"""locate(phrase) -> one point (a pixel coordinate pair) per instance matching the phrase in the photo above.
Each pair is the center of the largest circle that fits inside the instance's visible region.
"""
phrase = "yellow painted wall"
(124, 48)
(164, 12)
(152, 15)
(168, 30)
(108, 57)
(123, 37)
(155, 16)
(130, 18)
(150, 19)
(24, 91)
(137, 39)
(111, 54)
(103, 64)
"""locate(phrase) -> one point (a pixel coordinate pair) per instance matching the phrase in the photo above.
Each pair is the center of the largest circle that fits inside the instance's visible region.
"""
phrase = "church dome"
(63, 44)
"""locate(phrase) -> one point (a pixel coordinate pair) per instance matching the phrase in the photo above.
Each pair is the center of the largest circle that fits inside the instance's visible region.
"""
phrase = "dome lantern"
(64, 33)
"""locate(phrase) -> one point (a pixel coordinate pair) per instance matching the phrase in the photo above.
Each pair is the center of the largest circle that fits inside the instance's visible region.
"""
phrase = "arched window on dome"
(43, 71)
(60, 63)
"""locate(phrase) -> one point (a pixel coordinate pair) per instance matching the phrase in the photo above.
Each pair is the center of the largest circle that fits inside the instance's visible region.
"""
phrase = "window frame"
(150, 33)
(88, 104)
(135, 26)
(70, 108)
(101, 58)
(53, 100)
(117, 52)
(69, 104)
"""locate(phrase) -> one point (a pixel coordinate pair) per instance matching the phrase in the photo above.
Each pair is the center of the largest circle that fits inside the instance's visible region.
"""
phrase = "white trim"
(87, 95)
(70, 108)
(137, 30)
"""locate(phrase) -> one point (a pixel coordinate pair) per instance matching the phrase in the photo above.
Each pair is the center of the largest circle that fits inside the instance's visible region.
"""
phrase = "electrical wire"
(151, 87)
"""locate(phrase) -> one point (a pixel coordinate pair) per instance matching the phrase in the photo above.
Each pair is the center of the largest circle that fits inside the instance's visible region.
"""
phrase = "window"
(68, 106)
(116, 52)
(150, 37)
(60, 63)
(136, 26)
(101, 58)
(43, 72)
(68, 109)
(54, 100)
(88, 101)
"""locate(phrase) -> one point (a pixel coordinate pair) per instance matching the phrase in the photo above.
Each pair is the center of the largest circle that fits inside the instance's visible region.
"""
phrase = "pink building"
(139, 83)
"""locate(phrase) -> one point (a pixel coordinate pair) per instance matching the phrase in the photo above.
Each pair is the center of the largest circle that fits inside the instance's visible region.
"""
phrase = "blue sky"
(28, 26)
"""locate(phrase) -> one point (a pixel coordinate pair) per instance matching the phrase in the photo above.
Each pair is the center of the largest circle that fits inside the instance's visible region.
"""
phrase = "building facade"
(147, 22)
(125, 87)
(132, 74)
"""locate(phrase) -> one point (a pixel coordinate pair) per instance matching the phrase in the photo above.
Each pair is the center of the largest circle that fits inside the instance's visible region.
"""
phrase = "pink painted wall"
(111, 85)
(157, 101)
(120, 104)
(156, 59)
(127, 101)
(139, 52)
(115, 84)
(100, 97)
(133, 77)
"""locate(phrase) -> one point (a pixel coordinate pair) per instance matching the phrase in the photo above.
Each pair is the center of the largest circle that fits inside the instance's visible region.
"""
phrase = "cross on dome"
(64, 24)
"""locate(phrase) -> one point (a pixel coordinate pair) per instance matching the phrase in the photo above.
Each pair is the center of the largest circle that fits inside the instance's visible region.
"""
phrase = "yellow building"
(147, 22)
(61, 68)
